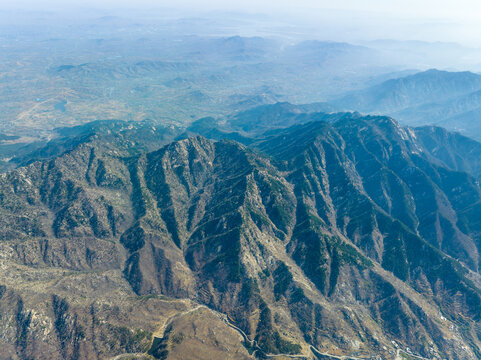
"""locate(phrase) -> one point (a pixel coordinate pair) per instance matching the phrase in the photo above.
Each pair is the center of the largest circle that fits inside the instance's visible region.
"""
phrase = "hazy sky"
(433, 20)
(459, 9)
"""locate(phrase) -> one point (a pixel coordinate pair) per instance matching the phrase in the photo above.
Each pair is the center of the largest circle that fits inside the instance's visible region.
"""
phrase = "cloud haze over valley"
(427, 20)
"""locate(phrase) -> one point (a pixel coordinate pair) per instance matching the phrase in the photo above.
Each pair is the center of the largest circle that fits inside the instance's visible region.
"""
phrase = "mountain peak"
(337, 214)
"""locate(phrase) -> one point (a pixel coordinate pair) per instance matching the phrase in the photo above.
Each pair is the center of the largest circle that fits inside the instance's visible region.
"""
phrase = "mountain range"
(320, 236)
(448, 99)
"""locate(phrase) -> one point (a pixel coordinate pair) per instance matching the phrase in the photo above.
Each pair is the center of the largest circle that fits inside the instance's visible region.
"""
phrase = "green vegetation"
(159, 348)
(282, 280)
(269, 340)
(194, 227)
(133, 341)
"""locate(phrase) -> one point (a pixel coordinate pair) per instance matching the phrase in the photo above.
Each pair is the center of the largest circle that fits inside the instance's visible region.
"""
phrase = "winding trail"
(321, 355)
(399, 351)
(127, 356)
(253, 343)
(170, 319)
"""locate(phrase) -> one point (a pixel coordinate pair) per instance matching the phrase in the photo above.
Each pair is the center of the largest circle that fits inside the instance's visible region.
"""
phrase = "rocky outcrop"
(345, 235)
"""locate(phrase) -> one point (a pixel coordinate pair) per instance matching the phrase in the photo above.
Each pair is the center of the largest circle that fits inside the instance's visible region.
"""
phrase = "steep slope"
(369, 181)
(452, 150)
(343, 235)
(386, 165)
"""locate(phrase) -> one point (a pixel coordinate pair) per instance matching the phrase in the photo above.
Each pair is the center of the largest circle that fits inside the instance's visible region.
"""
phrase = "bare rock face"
(349, 236)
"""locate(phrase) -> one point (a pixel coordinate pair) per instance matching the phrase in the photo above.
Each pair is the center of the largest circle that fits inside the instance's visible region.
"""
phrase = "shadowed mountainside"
(345, 234)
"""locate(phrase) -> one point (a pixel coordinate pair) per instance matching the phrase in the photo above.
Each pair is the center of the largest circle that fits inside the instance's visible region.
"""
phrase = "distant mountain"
(4, 137)
(462, 113)
(242, 48)
(351, 235)
(425, 87)
(232, 48)
(107, 135)
(329, 54)
(174, 79)
(279, 115)
(110, 70)
(257, 120)
(450, 99)
(450, 150)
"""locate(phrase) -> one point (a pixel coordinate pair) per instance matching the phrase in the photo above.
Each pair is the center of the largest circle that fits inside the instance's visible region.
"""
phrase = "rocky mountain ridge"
(350, 235)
